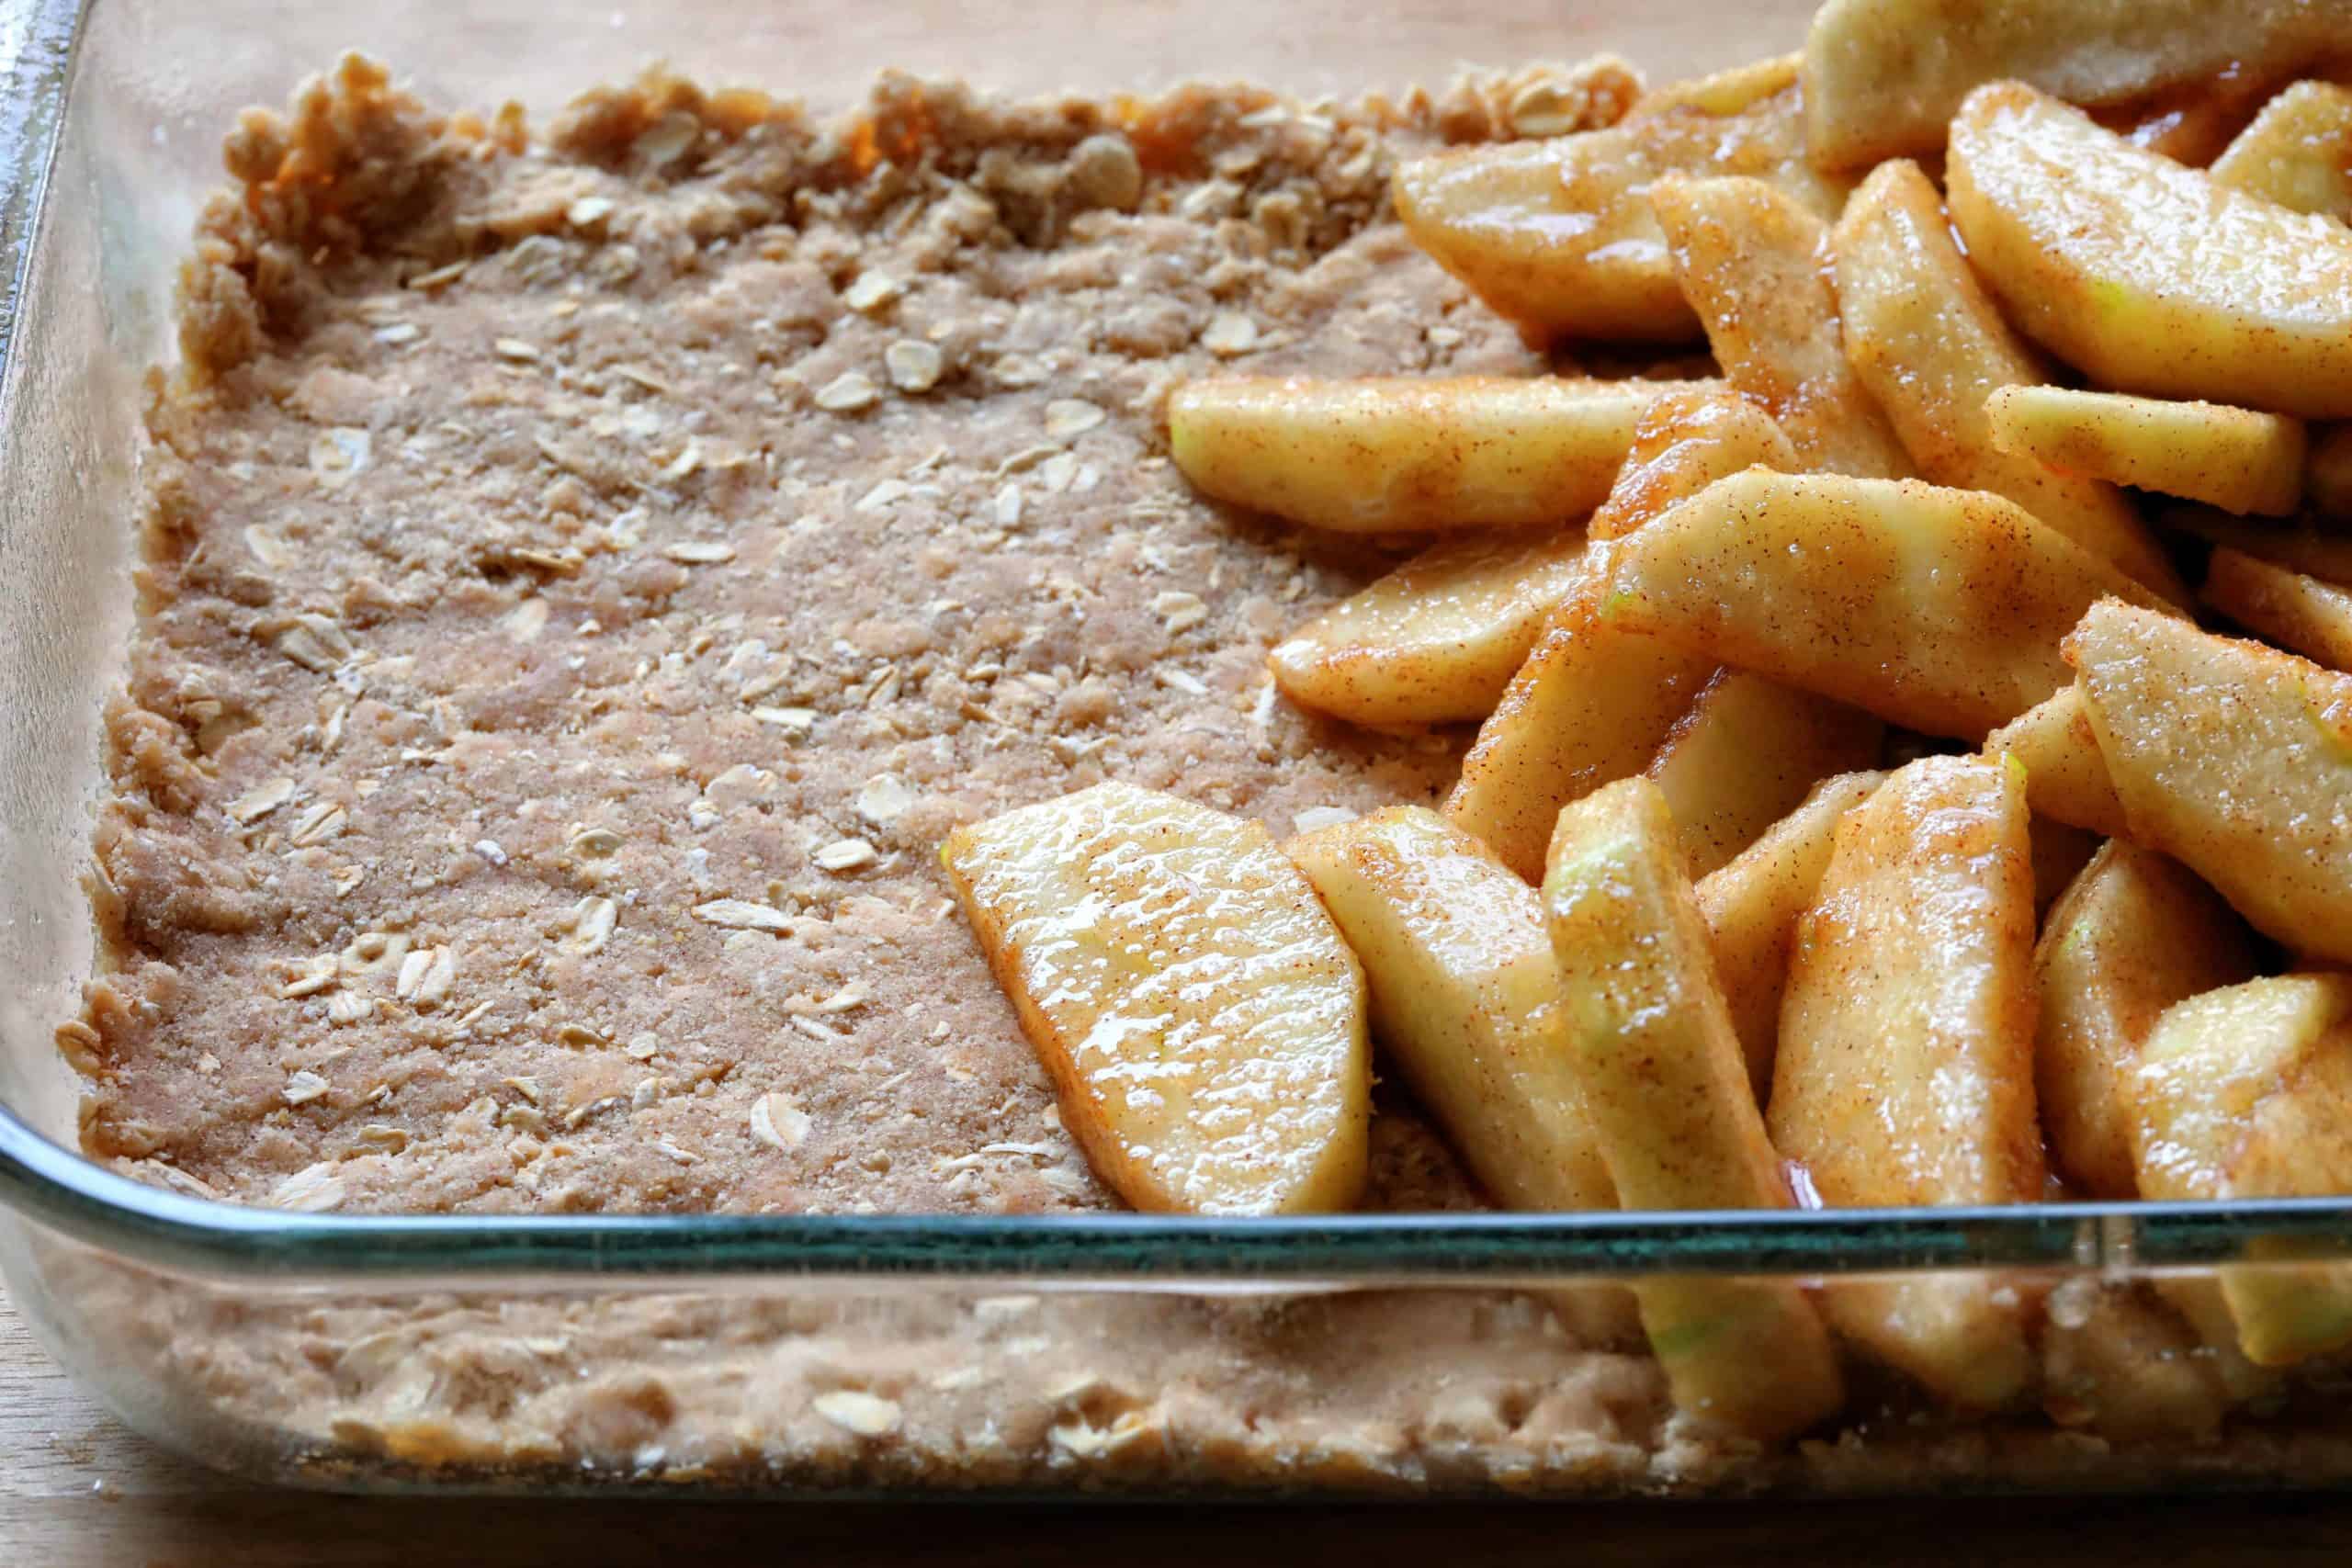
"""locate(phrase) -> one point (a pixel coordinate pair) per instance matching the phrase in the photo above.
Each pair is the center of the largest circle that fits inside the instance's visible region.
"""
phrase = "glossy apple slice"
(1201, 1017)
(2233, 759)
(1929, 344)
(1939, 609)
(2148, 277)
(2136, 933)
(1750, 260)
(1395, 454)
(1436, 640)
(1905, 1076)
(1667, 1090)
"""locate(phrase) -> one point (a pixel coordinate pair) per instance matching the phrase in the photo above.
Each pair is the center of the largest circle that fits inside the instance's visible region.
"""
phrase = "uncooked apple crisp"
(592, 583)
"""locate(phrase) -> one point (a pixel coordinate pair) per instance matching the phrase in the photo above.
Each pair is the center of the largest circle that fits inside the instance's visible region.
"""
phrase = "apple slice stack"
(1894, 822)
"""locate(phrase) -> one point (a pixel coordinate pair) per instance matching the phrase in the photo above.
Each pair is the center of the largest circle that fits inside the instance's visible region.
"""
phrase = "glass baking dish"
(799, 1355)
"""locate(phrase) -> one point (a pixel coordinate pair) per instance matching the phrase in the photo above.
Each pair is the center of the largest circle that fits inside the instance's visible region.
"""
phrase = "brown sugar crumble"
(585, 580)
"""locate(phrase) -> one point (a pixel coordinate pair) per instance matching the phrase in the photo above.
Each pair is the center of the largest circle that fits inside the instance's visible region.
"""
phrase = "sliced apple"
(2065, 773)
(1465, 1003)
(1939, 609)
(2136, 934)
(2192, 123)
(1724, 92)
(2298, 613)
(1200, 1016)
(1752, 904)
(1466, 999)
(2199, 1300)
(2236, 459)
(1930, 346)
(2149, 277)
(2246, 1092)
(1435, 640)
(2233, 759)
(1391, 454)
(2297, 152)
(1686, 442)
(1882, 77)
(1749, 258)
(1746, 754)
(1592, 705)
(1667, 1090)
(1558, 234)
(1905, 1075)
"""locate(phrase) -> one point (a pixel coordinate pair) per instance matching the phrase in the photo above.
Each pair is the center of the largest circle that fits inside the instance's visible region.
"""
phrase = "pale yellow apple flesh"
(2147, 276)
(1931, 346)
(1202, 1020)
(1667, 1090)
(1905, 1073)
(1395, 454)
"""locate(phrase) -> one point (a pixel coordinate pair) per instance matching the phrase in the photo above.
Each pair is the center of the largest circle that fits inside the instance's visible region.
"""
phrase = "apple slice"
(1202, 1020)
(1906, 1068)
(2065, 773)
(2121, 1360)
(1746, 754)
(1667, 1090)
(1882, 77)
(2297, 152)
(1749, 258)
(2105, 255)
(1435, 640)
(2199, 1299)
(1686, 442)
(1939, 609)
(1592, 705)
(1557, 234)
(2192, 123)
(1465, 1003)
(1395, 454)
(2234, 458)
(2233, 759)
(1724, 92)
(1466, 999)
(2246, 1092)
(2134, 934)
(1752, 906)
(2298, 613)
(1930, 346)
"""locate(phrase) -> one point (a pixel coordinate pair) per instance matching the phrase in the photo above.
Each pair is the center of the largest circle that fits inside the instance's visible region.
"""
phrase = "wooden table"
(77, 1490)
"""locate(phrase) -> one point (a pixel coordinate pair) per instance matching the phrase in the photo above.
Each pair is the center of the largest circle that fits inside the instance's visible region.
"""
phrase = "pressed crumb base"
(578, 605)
(584, 580)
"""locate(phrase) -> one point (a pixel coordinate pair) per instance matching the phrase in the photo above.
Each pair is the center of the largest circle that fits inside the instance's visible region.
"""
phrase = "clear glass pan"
(803, 1354)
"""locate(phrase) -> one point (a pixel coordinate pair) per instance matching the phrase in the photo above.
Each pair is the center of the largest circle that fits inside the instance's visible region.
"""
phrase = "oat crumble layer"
(586, 579)
(583, 580)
